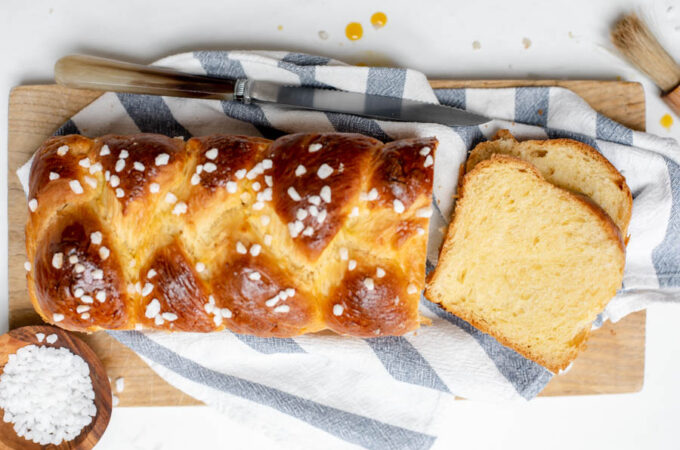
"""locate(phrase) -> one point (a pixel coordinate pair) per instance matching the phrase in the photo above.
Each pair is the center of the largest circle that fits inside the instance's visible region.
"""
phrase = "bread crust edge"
(607, 222)
(619, 179)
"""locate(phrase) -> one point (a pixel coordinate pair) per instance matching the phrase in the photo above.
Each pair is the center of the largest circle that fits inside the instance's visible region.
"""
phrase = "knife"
(89, 72)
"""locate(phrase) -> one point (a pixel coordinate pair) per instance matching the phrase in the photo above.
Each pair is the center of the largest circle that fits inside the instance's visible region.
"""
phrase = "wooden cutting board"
(613, 362)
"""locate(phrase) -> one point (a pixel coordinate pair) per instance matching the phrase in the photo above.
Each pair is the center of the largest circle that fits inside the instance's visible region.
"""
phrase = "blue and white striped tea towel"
(390, 392)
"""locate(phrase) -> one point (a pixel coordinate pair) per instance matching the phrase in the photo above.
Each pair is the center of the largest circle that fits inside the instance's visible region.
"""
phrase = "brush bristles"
(632, 37)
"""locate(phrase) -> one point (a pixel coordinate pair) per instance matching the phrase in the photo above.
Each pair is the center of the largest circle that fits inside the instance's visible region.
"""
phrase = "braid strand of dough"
(268, 238)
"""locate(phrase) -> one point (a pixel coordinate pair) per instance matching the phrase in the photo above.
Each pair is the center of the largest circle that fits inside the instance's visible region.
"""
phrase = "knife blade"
(367, 105)
(88, 72)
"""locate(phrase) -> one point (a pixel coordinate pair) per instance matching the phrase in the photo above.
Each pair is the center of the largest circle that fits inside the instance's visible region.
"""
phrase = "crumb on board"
(526, 42)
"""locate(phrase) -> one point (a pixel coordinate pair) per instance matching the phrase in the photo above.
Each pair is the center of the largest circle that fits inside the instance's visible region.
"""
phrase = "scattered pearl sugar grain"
(120, 384)
(47, 394)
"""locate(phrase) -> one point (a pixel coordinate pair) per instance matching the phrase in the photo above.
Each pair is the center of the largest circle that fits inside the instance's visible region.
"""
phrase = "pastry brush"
(637, 43)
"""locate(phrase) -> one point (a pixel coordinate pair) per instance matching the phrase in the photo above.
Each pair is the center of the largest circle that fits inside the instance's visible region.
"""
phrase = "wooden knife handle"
(101, 74)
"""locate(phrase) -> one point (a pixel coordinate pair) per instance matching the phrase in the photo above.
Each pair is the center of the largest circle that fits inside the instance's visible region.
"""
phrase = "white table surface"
(568, 40)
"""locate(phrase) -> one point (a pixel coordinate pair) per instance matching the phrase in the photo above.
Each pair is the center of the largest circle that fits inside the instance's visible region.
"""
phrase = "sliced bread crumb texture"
(568, 164)
(527, 262)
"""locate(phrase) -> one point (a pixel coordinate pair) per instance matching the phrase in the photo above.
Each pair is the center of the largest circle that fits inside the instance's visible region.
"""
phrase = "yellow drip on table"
(666, 121)
(354, 31)
(378, 20)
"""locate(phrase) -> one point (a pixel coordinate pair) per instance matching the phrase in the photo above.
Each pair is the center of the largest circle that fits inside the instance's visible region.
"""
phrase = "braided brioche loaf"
(310, 231)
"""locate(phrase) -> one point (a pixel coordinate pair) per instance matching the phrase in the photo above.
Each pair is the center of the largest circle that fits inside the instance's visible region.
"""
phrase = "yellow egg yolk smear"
(354, 31)
(378, 20)
(666, 121)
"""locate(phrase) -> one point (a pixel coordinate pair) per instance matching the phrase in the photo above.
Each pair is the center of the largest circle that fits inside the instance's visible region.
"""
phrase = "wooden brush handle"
(672, 99)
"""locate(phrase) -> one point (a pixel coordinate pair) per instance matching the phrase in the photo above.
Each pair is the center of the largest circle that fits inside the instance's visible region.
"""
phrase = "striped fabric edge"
(353, 428)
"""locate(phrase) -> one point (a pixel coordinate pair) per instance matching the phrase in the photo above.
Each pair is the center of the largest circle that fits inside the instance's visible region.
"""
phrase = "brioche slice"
(527, 262)
(568, 164)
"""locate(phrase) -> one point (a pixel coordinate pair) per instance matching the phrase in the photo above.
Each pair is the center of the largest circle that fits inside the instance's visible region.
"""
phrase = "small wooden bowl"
(90, 435)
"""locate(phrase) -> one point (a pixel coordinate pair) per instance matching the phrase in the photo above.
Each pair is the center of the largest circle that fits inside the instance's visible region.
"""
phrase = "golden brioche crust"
(308, 232)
